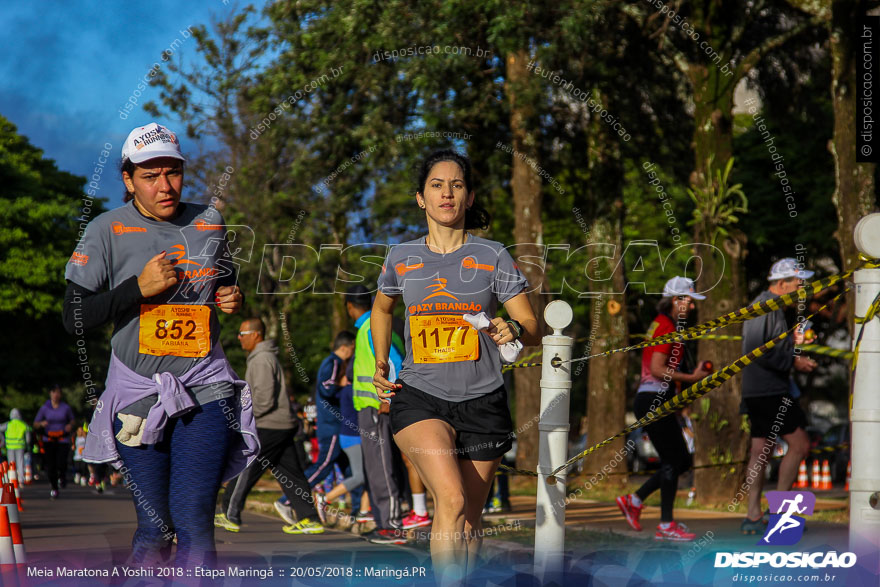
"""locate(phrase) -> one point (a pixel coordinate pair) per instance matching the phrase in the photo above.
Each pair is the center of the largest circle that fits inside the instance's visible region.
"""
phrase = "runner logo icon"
(786, 527)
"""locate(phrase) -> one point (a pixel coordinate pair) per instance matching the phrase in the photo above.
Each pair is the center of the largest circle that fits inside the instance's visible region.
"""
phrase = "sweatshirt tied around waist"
(125, 387)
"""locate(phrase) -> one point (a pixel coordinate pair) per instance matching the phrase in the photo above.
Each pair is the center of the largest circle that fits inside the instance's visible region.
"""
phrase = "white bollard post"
(553, 430)
(864, 485)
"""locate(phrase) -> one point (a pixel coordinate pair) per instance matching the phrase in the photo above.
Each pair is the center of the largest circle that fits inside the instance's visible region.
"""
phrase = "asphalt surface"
(84, 530)
(87, 533)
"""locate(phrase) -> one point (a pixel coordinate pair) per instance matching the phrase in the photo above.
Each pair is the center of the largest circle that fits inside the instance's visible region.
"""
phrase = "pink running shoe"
(630, 512)
(413, 520)
(675, 532)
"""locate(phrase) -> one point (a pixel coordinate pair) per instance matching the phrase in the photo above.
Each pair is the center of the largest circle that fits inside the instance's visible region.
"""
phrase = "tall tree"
(42, 213)
(855, 193)
(527, 230)
(731, 39)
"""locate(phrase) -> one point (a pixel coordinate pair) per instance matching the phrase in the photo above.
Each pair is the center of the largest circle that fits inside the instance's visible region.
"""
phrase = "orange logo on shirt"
(119, 228)
(79, 259)
(471, 263)
(195, 275)
(178, 251)
(439, 289)
(203, 225)
(401, 268)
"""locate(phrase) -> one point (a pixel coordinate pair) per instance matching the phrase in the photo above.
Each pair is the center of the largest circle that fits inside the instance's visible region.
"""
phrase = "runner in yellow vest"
(16, 438)
(382, 462)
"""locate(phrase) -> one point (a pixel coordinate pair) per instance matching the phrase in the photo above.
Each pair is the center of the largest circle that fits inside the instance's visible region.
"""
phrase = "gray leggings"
(356, 462)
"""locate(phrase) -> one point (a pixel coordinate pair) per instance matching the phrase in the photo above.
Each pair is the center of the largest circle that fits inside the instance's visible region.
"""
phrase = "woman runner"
(449, 414)
(661, 370)
(55, 418)
(174, 415)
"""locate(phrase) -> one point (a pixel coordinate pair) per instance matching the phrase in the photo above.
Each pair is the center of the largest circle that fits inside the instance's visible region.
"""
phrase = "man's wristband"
(516, 328)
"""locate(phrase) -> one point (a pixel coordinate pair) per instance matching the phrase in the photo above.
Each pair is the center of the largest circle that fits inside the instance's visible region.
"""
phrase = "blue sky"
(68, 67)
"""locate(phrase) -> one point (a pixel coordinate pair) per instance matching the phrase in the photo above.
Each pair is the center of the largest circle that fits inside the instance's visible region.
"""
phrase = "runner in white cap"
(766, 392)
(173, 415)
(661, 380)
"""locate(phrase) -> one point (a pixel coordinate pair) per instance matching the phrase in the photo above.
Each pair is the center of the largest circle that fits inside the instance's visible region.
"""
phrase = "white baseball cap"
(681, 286)
(150, 142)
(788, 267)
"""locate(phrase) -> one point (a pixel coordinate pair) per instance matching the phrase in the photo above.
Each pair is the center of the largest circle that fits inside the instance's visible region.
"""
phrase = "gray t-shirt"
(149, 338)
(444, 357)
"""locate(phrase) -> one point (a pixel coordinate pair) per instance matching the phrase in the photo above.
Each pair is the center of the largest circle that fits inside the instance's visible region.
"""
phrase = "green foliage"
(38, 204)
(40, 208)
(716, 202)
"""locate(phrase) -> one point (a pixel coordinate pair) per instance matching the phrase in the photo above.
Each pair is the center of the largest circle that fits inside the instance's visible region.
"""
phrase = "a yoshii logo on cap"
(150, 142)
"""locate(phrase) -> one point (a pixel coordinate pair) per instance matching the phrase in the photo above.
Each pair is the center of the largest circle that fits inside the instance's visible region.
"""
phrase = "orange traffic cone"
(7, 554)
(826, 475)
(802, 480)
(3, 478)
(817, 476)
(28, 474)
(17, 490)
(7, 502)
(848, 473)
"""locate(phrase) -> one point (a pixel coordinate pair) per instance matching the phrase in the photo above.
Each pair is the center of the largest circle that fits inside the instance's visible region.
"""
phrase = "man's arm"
(328, 375)
(261, 378)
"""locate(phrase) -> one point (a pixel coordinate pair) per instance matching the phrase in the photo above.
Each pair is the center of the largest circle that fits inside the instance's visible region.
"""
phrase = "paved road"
(84, 530)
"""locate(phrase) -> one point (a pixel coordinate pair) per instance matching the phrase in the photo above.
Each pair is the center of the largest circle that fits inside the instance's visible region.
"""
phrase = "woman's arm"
(661, 371)
(380, 327)
(519, 309)
(85, 309)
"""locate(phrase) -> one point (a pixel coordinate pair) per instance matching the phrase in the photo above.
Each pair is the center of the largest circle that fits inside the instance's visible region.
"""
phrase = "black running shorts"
(766, 411)
(483, 427)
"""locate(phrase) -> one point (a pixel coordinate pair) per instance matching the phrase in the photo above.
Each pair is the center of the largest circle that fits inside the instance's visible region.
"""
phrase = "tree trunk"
(606, 381)
(717, 418)
(854, 193)
(606, 391)
(527, 232)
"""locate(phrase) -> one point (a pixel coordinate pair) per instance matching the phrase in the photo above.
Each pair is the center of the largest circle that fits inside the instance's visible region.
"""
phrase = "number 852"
(175, 331)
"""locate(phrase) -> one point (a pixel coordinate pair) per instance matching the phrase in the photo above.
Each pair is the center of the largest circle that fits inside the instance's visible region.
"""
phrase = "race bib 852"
(175, 329)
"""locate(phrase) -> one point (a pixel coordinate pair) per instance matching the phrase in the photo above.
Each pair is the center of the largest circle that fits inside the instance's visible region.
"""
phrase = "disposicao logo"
(786, 528)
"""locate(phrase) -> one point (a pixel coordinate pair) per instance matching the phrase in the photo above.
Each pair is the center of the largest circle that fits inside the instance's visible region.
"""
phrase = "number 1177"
(424, 334)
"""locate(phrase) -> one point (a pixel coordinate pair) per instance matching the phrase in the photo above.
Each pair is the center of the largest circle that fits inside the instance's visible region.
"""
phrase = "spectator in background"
(384, 467)
(766, 392)
(55, 420)
(16, 440)
(276, 429)
(329, 382)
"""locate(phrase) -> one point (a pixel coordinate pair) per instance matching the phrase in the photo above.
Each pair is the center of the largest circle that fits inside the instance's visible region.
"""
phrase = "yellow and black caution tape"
(525, 362)
(690, 394)
(816, 349)
(738, 316)
(827, 351)
(741, 315)
(715, 380)
(873, 310)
